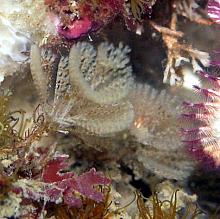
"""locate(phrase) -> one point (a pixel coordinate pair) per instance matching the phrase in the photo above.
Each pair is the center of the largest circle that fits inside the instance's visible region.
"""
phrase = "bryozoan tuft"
(89, 90)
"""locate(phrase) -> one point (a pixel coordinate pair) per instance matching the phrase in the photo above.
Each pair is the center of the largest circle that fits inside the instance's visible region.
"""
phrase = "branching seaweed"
(166, 209)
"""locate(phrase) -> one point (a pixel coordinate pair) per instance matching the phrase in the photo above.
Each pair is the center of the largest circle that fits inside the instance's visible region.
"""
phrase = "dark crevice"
(139, 184)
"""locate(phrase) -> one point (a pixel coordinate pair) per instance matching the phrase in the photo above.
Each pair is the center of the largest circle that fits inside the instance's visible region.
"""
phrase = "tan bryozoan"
(90, 93)
(156, 126)
(156, 115)
(89, 90)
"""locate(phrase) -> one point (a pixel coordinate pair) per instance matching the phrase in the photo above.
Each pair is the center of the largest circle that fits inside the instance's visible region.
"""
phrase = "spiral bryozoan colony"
(202, 131)
(90, 87)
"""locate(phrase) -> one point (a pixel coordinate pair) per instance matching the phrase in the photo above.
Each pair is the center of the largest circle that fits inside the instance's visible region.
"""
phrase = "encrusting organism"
(34, 27)
(13, 46)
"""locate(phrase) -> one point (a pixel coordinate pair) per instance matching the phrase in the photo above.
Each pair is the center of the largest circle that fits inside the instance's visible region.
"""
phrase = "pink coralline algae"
(67, 21)
(214, 10)
(202, 131)
(47, 181)
(67, 183)
(73, 22)
(76, 29)
(51, 172)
